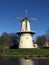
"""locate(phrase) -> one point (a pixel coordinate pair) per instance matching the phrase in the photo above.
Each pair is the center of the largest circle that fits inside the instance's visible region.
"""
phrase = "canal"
(22, 61)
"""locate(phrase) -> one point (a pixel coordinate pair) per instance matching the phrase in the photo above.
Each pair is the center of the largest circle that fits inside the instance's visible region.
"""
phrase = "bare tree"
(47, 35)
(41, 40)
(5, 40)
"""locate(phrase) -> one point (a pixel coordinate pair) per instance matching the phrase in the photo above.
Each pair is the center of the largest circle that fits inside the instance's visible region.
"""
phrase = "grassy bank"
(21, 52)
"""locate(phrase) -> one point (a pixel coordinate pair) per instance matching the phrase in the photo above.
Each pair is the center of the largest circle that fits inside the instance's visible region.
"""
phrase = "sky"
(36, 9)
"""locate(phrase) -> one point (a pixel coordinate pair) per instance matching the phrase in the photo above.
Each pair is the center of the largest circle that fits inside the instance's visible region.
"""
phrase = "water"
(22, 61)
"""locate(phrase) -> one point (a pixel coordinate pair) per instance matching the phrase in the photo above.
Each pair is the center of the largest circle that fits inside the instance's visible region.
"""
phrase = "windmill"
(25, 32)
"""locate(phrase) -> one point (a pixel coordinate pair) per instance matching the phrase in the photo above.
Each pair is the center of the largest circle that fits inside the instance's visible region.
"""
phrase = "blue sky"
(36, 8)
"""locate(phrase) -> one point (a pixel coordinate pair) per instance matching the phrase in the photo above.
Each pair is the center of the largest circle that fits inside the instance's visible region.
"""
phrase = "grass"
(25, 51)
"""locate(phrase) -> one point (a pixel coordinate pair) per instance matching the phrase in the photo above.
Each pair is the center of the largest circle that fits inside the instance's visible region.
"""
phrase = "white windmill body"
(25, 33)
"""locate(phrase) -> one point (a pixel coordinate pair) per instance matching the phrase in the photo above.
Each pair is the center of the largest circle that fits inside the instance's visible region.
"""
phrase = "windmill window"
(22, 34)
(26, 37)
(34, 45)
(22, 29)
(21, 41)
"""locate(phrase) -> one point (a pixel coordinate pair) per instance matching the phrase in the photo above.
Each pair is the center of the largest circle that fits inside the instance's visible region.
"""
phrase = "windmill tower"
(26, 33)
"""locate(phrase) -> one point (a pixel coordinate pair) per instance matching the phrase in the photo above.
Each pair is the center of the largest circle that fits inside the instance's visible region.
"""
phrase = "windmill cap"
(25, 19)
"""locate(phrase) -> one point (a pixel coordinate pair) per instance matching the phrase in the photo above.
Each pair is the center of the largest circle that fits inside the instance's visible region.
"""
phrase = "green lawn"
(25, 51)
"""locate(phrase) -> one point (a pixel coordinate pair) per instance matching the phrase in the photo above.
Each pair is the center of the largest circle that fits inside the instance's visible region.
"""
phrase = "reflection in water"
(22, 61)
(34, 62)
(9, 61)
(43, 62)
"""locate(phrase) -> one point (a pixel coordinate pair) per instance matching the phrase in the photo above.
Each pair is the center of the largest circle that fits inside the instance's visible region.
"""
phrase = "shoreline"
(25, 56)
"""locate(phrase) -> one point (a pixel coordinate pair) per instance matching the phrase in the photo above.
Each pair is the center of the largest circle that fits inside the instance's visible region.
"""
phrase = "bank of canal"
(26, 53)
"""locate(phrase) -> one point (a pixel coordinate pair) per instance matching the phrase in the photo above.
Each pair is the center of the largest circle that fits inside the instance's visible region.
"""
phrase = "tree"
(9, 40)
(5, 40)
(47, 35)
(41, 40)
(15, 39)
